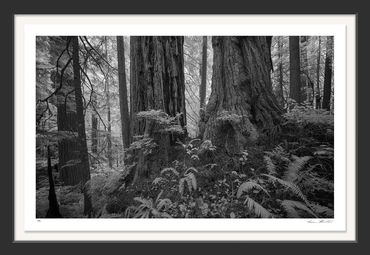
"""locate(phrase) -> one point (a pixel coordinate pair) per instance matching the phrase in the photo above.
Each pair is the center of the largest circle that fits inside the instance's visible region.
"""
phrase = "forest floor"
(290, 176)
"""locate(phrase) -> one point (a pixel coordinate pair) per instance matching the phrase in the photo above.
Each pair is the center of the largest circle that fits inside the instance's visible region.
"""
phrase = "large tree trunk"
(295, 79)
(157, 78)
(318, 95)
(53, 211)
(328, 73)
(157, 83)
(125, 119)
(242, 105)
(62, 79)
(84, 168)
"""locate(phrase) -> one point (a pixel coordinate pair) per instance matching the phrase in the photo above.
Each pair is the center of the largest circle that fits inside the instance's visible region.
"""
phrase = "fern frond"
(290, 205)
(258, 209)
(294, 167)
(170, 170)
(247, 186)
(190, 169)
(270, 165)
(164, 204)
(294, 188)
(181, 186)
(323, 210)
(158, 180)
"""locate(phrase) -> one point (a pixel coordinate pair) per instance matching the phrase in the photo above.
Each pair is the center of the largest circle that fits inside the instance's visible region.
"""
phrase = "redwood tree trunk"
(328, 73)
(242, 105)
(318, 95)
(157, 83)
(295, 79)
(125, 119)
(66, 110)
(280, 94)
(84, 168)
(203, 85)
(157, 77)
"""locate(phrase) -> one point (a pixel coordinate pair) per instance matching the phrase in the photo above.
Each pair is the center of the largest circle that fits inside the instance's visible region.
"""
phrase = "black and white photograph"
(185, 126)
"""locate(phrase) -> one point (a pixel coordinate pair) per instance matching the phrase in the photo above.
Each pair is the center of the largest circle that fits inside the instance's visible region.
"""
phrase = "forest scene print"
(185, 126)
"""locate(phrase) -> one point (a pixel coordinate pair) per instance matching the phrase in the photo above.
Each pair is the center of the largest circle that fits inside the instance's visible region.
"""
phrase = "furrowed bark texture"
(157, 83)
(66, 110)
(53, 211)
(84, 168)
(157, 78)
(241, 105)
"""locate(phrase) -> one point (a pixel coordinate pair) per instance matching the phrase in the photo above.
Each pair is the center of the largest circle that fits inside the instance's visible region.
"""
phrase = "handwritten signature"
(320, 221)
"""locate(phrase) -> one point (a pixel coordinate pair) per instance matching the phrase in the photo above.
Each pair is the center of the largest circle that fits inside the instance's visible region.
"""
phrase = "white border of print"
(342, 227)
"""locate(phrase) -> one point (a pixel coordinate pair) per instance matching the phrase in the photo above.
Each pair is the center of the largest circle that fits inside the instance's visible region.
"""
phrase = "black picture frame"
(170, 7)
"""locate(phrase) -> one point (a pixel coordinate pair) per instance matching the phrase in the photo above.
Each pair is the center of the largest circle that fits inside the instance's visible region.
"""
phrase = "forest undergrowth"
(289, 175)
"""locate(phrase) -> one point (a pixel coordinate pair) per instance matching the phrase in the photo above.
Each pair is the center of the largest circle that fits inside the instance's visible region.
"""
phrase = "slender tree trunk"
(269, 43)
(107, 96)
(94, 126)
(280, 97)
(306, 93)
(84, 167)
(318, 95)
(203, 86)
(242, 106)
(125, 118)
(294, 59)
(328, 73)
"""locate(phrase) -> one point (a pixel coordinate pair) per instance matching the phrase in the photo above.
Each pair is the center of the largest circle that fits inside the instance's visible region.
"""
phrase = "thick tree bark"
(295, 79)
(241, 106)
(84, 168)
(125, 119)
(328, 73)
(318, 95)
(53, 211)
(157, 78)
(62, 79)
(157, 83)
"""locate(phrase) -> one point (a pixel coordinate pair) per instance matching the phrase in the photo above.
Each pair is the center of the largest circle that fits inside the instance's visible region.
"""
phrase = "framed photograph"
(185, 128)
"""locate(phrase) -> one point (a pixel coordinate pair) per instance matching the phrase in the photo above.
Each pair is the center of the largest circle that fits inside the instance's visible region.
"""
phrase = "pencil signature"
(320, 221)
